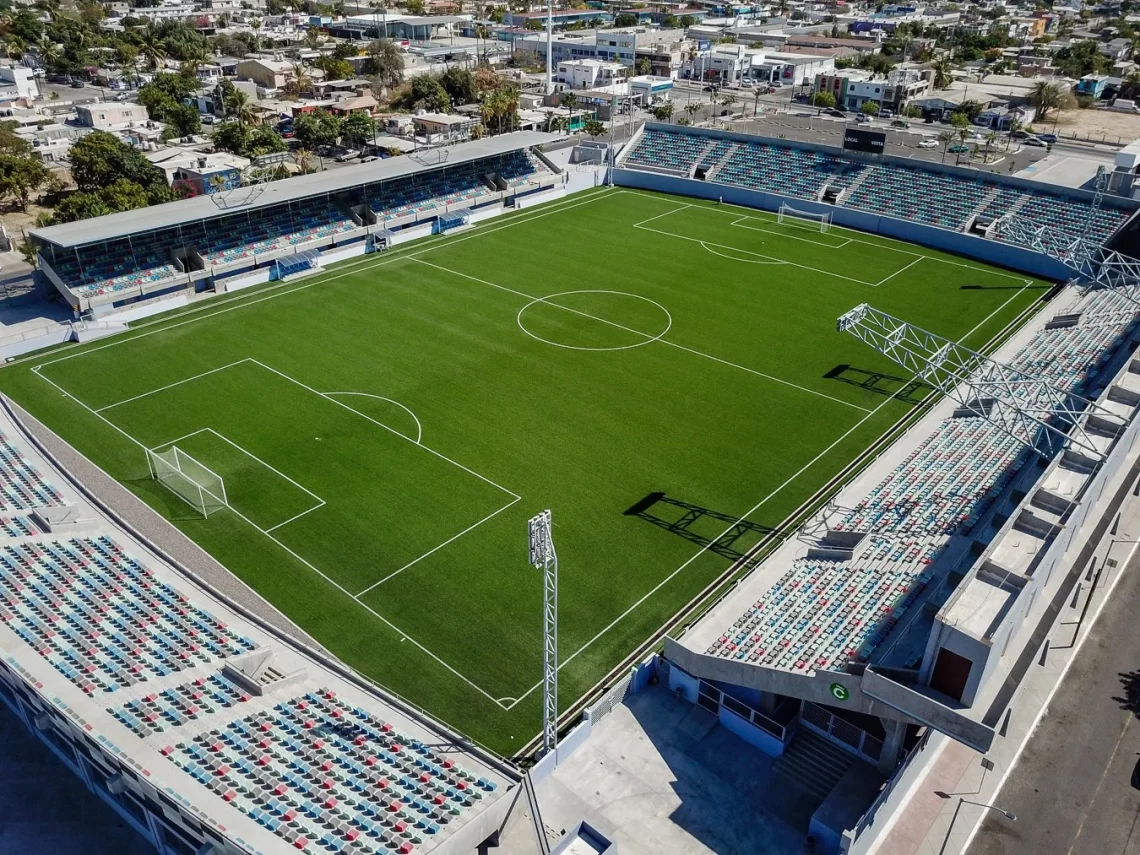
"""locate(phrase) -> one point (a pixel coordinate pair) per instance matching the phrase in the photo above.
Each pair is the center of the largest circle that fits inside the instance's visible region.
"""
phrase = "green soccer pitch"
(663, 374)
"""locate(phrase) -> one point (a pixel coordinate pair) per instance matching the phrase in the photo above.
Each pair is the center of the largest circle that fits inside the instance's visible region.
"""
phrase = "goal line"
(821, 220)
(194, 483)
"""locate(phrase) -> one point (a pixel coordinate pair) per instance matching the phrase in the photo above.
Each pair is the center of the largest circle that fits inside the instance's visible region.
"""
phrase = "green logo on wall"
(839, 691)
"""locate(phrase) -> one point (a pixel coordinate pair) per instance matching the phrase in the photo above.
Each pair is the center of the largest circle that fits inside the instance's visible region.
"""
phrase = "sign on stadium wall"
(860, 140)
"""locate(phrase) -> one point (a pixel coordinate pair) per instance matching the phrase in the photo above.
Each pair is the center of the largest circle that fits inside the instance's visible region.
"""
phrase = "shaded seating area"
(267, 230)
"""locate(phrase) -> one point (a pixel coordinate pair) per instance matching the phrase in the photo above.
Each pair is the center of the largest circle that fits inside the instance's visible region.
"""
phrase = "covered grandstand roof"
(171, 214)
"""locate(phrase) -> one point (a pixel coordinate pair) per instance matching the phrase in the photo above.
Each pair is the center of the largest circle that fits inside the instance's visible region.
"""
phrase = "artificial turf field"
(386, 428)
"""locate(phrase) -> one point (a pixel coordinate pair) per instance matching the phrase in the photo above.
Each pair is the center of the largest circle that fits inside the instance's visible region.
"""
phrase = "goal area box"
(194, 483)
(789, 215)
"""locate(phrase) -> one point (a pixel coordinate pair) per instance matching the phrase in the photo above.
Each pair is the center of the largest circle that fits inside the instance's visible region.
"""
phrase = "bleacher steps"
(813, 763)
(700, 159)
(854, 185)
(980, 207)
(719, 165)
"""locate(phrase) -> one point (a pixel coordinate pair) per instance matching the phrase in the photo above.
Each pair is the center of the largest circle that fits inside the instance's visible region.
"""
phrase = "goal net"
(788, 214)
(197, 485)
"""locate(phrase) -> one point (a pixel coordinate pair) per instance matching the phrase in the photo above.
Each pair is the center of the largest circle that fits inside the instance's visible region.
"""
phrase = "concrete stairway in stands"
(813, 764)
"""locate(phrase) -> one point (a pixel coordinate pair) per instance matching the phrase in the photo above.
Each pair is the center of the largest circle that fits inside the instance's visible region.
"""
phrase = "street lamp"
(1010, 815)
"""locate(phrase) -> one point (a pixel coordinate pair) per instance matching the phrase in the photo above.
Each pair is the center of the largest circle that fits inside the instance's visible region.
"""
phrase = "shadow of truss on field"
(733, 536)
(907, 391)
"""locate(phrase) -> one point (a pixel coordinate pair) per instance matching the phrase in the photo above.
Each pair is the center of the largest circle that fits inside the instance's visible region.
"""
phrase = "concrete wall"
(538, 198)
(928, 711)
(970, 246)
(340, 253)
(257, 277)
(149, 308)
(412, 233)
(751, 734)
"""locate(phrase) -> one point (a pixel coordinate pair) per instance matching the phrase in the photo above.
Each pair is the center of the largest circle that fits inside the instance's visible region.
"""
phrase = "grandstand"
(883, 618)
(218, 243)
(869, 184)
(202, 728)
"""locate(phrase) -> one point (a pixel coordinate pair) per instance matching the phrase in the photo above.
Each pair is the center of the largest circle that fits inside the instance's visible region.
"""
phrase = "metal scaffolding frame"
(1032, 410)
(544, 558)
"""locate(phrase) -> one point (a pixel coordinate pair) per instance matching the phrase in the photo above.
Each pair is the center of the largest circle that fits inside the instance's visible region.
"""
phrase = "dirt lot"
(1094, 125)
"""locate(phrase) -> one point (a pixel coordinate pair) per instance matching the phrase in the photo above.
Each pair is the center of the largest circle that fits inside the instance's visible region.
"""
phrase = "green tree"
(385, 62)
(1046, 97)
(912, 111)
(21, 177)
(241, 108)
(459, 83)
(151, 47)
(357, 128)
(262, 139)
(316, 129)
(427, 93)
(98, 160)
(663, 112)
(625, 19)
(869, 108)
(415, 7)
(334, 69)
(824, 100)
(643, 66)
(960, 120)
(119, 195)
(946, 137)
(942, 76)
(595, 128)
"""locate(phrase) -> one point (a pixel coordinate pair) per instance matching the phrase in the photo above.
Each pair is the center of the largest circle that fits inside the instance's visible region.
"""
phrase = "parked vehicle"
(958, 148)
(928, 143)
(839, 114)
(1033, 141)
(77, 84)
(900, 123)
(1047, 138)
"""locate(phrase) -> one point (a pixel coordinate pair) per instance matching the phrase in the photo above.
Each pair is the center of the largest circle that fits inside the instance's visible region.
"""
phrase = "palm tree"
(1044, 97)
(962, 134)
(151, 48)
(482, 34)
(299, 80)
(1014, 127)
(946, 137)
(942, 76)
(692, 109)
(304, 160)
(241, 108)
(570, 101)
(255, 26)
(756, 101)
(990, 138)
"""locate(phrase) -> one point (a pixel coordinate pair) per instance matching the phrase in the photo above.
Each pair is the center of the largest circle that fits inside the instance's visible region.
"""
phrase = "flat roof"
(171, 214)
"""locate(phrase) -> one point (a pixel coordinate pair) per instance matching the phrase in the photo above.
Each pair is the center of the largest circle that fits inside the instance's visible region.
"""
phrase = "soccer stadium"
(827, 438)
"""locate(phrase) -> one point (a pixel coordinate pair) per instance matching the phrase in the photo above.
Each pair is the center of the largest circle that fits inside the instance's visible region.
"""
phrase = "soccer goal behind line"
(788, 214)
(195, 484)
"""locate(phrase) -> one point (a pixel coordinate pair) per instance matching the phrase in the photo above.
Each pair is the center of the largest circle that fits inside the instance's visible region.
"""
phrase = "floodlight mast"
(1027, 408)
(544, 558)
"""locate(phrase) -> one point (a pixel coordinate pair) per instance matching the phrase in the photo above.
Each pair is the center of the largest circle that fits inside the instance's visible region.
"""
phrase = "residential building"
(266, 73)
(588, 73)
(444, 128)
(19, 82)
(110, 115)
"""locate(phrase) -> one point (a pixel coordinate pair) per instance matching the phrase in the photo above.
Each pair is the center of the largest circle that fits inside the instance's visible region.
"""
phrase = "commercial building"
(105, 116)
(853, 88)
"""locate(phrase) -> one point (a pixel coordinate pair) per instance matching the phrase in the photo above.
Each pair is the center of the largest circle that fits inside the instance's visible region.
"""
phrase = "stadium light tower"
(544, 558)
(549, 47)
(1028, 408)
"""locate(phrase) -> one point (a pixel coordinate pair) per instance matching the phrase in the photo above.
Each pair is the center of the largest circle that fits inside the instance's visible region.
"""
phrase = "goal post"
(194, 483)
(794, 216)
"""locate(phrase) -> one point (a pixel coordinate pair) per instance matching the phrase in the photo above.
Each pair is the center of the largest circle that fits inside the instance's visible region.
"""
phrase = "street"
(1075, 789)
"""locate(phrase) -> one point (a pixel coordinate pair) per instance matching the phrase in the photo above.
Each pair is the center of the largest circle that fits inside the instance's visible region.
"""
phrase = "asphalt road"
(1074, 789)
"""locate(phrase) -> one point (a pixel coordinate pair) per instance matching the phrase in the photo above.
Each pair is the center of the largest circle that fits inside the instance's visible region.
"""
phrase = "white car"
(928, 143)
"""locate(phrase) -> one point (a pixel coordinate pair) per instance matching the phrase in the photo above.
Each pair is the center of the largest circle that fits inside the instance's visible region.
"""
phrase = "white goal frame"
(195, 484)
(787, 212)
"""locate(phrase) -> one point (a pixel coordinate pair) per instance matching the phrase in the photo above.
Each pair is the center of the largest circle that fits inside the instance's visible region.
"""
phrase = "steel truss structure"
(1033, 411)
(544, 558)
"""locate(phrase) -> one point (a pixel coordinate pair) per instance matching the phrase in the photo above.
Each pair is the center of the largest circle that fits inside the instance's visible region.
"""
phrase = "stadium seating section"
(117, 266)
(323, 775)
(147, 261)
(910, 193)
(822, 614)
